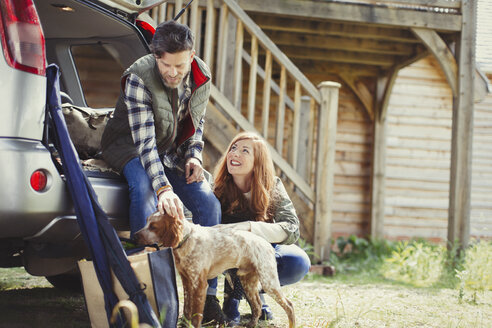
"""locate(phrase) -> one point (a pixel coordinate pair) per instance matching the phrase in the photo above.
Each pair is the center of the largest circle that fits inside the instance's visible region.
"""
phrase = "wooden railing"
(228, 40)
(259, 89)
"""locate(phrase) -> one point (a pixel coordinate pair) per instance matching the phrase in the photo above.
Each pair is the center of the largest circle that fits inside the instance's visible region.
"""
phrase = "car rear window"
(99, 73)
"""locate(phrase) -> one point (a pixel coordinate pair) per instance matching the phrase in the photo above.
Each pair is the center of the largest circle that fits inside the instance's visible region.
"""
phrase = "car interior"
(92, 52)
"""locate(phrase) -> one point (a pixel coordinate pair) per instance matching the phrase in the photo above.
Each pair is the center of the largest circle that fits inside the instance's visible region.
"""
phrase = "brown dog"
(203, 253)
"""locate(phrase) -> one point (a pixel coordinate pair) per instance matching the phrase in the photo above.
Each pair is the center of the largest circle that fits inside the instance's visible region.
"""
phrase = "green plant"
(476, 275)
(309, 249)
(417, 262)
(359, 255)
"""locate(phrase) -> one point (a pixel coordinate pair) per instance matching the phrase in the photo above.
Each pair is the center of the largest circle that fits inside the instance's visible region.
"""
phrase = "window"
(99, 71)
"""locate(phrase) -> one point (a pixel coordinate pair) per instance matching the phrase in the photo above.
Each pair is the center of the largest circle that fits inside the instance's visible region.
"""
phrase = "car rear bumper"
(47, 215)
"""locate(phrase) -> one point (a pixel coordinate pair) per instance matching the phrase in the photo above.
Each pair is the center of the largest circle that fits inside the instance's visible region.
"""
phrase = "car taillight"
(22, 36)
(39, 180)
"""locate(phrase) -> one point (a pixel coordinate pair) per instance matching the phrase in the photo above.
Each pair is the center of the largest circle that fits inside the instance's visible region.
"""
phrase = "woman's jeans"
(198, 197)
(292, 265)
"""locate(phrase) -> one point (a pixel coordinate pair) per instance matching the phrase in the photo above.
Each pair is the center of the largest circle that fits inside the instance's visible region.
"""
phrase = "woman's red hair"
(262, 183)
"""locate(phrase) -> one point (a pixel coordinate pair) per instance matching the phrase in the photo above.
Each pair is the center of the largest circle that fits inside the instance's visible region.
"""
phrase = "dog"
(202, 253)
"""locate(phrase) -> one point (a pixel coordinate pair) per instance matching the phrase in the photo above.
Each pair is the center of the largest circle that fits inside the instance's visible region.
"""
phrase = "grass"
(353, 302)
(361, 294)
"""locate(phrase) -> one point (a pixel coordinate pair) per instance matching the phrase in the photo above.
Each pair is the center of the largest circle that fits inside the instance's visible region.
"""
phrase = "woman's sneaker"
(266, 313)
(231, 311)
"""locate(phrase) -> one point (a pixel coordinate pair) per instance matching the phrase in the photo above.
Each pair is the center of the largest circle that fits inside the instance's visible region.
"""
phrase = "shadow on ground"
(42, 307)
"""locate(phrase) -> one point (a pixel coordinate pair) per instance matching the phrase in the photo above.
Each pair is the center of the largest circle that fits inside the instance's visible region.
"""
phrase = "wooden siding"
(351, 194)
(484, 35)
(481, 196)
(418, 157)
(418, 154)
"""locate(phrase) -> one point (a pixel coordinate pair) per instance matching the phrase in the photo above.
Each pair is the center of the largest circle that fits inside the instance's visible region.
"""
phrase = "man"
(155, 136)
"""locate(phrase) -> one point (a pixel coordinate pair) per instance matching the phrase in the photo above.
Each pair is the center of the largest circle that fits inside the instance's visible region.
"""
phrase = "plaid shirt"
(138, 100)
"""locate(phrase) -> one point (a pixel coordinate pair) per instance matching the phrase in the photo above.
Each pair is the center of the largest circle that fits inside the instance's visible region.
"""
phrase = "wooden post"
(294, 145)
(305, 143)
(325, 167)
(178, 5)
(378, 168)
(265, 114)
(222, 46)
(252, 79)
(238, 65)
(462, 131)
(279, 130)
(209, 34)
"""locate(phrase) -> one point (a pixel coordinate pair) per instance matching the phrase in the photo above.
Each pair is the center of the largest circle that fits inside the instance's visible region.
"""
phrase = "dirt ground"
(27, 301)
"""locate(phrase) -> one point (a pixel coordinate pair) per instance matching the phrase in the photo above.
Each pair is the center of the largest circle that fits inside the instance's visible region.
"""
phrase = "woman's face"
(240, 158)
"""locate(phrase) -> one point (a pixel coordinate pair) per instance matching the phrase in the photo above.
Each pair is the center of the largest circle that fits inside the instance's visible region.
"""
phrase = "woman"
(253, 198)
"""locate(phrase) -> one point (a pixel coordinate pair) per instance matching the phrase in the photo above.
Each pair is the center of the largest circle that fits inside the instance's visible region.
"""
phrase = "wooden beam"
(392, 74)
(312, 67)
(296, 52)
(357, 12)
(267, 78)
(462, 131)
(252, 80)
(325, 28)
(362, 92)
(325, 168)
(428, 3)
(177, 8)
(305, 142)
(442, 53)
(296, 124)
(340, 43)
(378, 170)
(209, 34)
(238, 64)
(279, 131)
(222, 46)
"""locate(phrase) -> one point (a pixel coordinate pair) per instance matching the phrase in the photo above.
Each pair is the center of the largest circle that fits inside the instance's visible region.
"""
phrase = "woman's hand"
(193, 170)
(168, 202)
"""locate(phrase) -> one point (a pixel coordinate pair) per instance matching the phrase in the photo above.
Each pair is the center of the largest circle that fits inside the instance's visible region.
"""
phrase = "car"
(92, 42)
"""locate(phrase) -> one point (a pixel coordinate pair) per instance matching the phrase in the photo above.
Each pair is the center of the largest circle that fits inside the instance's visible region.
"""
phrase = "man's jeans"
(198, 197)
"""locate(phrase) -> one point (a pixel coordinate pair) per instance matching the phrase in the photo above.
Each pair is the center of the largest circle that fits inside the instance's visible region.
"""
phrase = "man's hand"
(193, 170)
(170, 203)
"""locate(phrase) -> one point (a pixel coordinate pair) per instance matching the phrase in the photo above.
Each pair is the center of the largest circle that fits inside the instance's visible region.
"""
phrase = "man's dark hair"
(171, 37)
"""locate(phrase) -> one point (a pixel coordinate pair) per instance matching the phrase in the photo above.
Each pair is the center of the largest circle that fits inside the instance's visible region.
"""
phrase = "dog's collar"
(185, 238)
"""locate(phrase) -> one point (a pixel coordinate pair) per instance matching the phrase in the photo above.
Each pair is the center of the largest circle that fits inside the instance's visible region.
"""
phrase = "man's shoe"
(212, 311)
(231, 311)
(266, 313)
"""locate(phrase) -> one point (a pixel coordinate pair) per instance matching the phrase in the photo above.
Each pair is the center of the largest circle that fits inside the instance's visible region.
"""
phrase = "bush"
(476, 275)
(359, 255)
(418, 263)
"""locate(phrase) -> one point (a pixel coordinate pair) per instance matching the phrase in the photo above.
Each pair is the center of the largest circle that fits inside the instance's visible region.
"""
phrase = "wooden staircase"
(256, 87)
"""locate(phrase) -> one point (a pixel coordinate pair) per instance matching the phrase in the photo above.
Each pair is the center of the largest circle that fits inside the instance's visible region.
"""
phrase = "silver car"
(92, 43)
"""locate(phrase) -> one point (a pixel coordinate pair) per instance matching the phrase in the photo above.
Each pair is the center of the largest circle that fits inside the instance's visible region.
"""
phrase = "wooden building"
(367, 105)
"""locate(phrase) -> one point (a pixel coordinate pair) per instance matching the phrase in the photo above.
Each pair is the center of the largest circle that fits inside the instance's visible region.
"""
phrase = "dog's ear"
(170, 233)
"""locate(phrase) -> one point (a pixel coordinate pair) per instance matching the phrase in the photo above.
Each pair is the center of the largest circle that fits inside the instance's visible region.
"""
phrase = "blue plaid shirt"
(138, 100)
